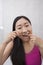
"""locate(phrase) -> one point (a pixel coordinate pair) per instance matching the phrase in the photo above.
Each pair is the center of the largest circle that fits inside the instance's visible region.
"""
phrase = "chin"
(25, 40)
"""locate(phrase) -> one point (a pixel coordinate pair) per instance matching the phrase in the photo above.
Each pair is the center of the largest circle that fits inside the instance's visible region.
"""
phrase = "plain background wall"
(1, 22)
(33, 9)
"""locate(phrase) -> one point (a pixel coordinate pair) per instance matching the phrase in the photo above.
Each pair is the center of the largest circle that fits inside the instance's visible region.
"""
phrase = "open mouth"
(26, 36)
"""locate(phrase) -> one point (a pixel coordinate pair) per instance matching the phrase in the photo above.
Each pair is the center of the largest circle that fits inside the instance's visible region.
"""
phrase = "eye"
(26, 25)
(19, 28)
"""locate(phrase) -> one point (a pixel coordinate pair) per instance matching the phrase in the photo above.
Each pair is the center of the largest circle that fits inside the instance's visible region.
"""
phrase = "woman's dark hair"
(18, 54)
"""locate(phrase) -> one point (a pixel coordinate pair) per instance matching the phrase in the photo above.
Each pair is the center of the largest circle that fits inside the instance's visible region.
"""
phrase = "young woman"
(23, 47)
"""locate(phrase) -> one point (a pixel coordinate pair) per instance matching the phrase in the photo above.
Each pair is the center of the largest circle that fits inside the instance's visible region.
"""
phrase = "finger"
(17, 33)
(30, 35)
(14, 33)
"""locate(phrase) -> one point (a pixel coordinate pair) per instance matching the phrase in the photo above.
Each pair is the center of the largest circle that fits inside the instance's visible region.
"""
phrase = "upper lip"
(25, 35)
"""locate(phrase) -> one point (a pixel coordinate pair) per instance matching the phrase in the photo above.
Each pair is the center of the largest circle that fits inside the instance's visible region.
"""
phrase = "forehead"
(22, 21)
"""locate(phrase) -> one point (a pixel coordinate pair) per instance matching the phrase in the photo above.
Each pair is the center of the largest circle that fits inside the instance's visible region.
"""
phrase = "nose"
(24, 30)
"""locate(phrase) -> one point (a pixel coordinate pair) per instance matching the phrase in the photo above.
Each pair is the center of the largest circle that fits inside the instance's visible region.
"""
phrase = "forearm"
(2, 48)
(4, 44)
(7, 52)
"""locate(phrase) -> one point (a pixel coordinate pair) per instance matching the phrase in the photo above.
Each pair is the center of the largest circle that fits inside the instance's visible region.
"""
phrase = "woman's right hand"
(11, 36)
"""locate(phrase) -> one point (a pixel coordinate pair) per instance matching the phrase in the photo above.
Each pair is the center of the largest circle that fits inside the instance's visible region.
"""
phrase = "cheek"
(29, 30)
(19, 32)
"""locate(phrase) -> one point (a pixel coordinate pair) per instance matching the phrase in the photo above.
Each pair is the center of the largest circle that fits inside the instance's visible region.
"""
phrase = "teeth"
(25, 35)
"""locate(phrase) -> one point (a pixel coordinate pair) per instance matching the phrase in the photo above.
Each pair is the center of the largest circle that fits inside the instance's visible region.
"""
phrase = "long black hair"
(18, 54)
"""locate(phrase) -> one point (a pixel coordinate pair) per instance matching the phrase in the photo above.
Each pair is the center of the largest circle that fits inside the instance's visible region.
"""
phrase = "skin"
(22, 28)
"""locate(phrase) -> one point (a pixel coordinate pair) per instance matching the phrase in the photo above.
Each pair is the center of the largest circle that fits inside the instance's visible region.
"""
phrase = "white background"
(9, 9)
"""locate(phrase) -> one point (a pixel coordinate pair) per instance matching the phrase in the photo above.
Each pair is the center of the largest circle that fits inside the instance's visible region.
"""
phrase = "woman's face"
(24, 28)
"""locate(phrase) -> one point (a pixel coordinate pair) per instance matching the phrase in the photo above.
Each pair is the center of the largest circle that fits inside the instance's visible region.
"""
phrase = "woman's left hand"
(33, 38)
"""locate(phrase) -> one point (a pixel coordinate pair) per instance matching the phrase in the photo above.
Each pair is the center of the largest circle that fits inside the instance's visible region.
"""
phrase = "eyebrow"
(20, 24)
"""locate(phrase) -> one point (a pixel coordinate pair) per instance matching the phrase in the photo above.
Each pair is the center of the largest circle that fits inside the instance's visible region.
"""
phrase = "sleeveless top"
(34, 57)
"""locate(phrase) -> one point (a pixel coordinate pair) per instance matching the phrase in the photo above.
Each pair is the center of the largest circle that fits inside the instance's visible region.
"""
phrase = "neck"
(26, 43)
